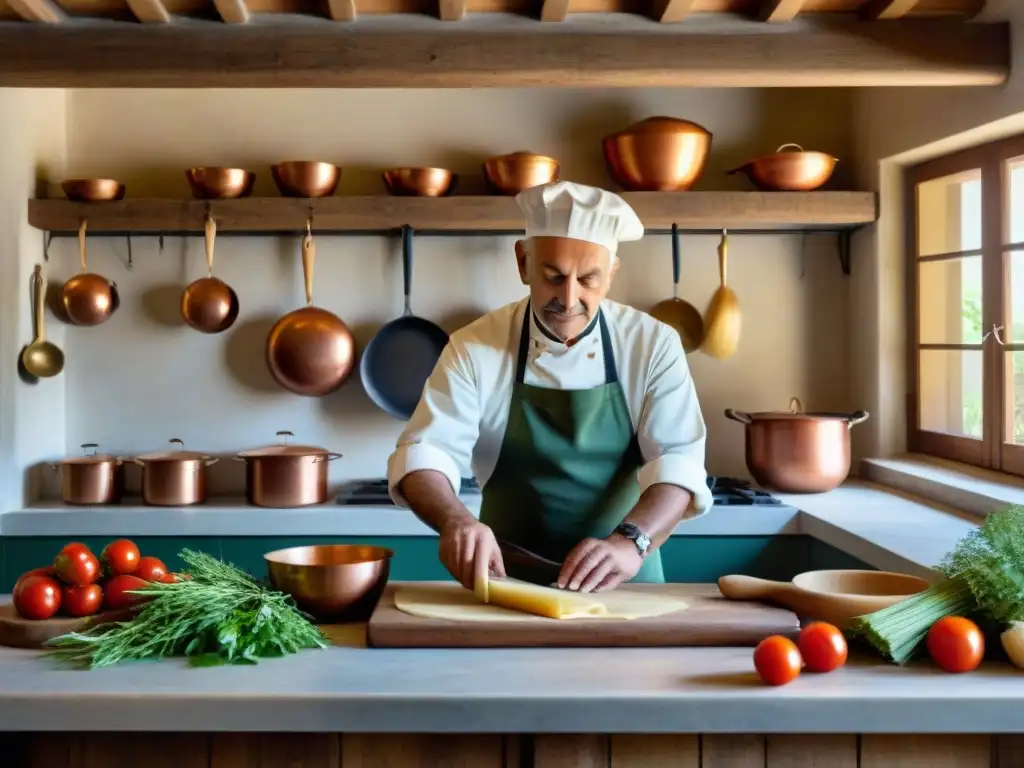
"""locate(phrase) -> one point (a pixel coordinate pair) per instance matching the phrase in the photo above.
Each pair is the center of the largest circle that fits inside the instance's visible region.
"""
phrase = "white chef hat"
(566, 209)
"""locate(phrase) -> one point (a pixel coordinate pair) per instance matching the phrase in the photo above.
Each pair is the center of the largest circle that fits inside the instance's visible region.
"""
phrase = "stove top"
(726, 491)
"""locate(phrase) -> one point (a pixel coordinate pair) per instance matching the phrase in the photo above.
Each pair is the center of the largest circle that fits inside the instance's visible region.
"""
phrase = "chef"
(576, 414)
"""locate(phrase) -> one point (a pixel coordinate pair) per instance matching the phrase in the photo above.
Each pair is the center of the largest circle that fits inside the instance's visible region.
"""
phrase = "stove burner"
(375, 492)
(726, 491)
(733, 492)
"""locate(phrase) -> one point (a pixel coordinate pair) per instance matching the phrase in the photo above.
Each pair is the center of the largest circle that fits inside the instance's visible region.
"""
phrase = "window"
(966, 299)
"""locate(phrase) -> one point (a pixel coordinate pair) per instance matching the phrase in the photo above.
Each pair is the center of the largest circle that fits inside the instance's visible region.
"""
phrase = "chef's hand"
(469, 550)
(597, 565)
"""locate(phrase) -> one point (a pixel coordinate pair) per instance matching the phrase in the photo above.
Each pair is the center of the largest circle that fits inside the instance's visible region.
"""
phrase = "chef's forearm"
(431, 498)
(660, 509)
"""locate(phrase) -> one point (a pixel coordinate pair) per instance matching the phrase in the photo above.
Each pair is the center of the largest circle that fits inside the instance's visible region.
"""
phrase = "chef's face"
(567, 279)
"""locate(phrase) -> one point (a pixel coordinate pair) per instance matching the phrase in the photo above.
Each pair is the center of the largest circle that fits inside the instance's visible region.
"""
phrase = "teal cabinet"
(694, 559)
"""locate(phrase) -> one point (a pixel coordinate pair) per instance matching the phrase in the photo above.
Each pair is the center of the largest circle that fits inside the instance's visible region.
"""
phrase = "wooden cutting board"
(710, 620)
(17, 632)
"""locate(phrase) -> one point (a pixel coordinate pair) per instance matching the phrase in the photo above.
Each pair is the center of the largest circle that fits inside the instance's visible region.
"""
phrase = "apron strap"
(611, 373)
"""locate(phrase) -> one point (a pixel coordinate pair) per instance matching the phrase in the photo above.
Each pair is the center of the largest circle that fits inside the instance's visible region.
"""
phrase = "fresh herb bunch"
(221, 615)
(984, 577)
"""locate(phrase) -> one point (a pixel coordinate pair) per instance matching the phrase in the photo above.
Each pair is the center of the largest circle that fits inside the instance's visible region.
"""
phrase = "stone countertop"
(350, 688)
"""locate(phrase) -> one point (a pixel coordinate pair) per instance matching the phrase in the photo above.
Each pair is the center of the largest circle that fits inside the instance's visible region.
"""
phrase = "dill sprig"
(220, 615)
(984, 577)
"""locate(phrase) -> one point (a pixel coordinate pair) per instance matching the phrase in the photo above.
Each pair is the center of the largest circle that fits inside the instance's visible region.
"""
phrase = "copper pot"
(789, 171)
(91, 479)
(88, 298)
(174, 478)
(796, 452)
(659, 154)
(286, 475)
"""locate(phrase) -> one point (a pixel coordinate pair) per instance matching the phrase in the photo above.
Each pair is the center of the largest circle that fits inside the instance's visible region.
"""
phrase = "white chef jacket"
(459, 424)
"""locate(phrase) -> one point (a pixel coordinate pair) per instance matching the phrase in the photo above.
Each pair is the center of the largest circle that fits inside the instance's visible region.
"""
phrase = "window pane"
(1013, 282)
(949, 301)
(949, 214)
(1015, 207)
(950, 393)
(1015, 397)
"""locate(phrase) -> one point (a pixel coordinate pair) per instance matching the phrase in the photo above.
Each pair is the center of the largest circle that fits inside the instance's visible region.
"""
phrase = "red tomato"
(120, 557)
(150, 568)
(956, 644)
(37, 597)
(77, 565)
(169, 578)
(777, 660)
(822, 646)
(117, 593)
(83, 601)
(47, 571)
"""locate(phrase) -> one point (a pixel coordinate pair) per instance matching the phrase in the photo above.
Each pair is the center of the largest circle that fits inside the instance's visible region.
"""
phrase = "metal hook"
(160, 240)
(46, 246)
(309, 221)
(128, 237)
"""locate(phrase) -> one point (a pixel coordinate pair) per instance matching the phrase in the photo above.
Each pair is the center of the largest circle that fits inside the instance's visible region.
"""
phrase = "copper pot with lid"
(285, 475)
(797, 452)
(92, 478)
(175, 478)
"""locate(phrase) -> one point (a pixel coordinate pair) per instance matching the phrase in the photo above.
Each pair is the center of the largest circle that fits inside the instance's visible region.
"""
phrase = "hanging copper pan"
(209, 304)
(88, 298)
(310, 351)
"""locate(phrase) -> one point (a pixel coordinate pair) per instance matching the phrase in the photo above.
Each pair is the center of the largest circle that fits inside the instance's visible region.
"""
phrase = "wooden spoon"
(722, 321)
(41, 358)
(835, 596)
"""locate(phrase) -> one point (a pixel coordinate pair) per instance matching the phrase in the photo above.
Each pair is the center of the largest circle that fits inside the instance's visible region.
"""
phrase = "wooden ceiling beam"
(888, 9)
(896, 53)
(777, 11)
(150, 11)
(669, 11)
(232, 11)
(38, 10)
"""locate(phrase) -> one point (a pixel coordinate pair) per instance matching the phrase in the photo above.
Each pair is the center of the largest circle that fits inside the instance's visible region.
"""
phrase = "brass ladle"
(41, 358)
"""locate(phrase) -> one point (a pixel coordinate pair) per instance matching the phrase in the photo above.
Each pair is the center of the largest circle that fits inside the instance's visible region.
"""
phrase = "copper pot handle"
(86, 446)
(208, 460)
(741, 416)
(790, 144)
(856, 418)
(286, 433)
(795, 406)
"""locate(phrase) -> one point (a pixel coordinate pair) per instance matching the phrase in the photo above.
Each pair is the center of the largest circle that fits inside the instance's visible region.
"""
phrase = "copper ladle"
(209, 304)
(41, 358)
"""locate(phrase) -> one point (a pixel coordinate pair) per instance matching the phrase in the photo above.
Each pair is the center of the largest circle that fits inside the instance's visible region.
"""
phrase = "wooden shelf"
(459, 214)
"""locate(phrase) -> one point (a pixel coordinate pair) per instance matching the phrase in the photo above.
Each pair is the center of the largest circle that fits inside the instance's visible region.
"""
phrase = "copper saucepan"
(174, 478)
(88, 299)
(209, 304)
(286, 475)
(797, 452)
(789, 171)
(92, 478)
(310, 351)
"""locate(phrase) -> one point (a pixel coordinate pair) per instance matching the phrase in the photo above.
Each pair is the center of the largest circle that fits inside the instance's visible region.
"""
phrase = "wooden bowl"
(332, 582)
(306, 178)
(659, 154)
(419, 182)
(216, 183)
(511, 174)
(93, 190)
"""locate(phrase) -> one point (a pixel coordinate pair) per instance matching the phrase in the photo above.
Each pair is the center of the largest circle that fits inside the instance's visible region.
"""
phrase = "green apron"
(567, 465)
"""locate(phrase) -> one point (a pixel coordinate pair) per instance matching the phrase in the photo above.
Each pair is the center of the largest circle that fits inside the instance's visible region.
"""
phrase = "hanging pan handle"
(675, 260)
(407, 266)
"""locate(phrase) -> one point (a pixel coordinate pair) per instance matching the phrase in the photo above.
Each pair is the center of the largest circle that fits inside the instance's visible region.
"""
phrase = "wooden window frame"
(992, 451)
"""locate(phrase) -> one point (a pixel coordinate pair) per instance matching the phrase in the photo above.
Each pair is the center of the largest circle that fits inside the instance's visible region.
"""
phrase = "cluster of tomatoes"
(954, 643)
(80, 584)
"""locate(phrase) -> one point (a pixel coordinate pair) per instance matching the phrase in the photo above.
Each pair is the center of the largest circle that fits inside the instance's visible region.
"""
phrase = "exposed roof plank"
(668, 11)
(150, 11)
(781, 10)
(896, 53)
(451, 10)
(888, 9)
(38, 10)
(233, 11)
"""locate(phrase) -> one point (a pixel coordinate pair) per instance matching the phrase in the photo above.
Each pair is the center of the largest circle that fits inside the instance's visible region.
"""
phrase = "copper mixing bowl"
(93, 190)
(511, 174)
(419, 182)
(215, 183)
(332, 582)
(306, 178)
(659, 154)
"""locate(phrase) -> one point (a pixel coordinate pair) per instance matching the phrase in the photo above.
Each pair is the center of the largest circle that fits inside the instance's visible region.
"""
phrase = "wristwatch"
(638, 537)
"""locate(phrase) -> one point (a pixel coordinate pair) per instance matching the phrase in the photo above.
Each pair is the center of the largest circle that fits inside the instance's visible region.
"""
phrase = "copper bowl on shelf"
(511, 174)
(792, 170)
(216, 183)
(659, 154)
(306, 178)
(332, 582)
(93, 190)
(419, 182)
